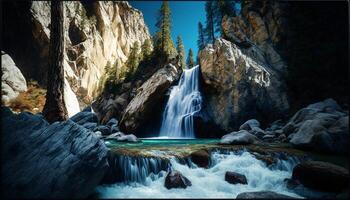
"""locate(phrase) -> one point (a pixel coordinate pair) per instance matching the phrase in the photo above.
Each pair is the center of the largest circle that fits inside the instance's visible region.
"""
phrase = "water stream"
(145, 178)
(184, 102)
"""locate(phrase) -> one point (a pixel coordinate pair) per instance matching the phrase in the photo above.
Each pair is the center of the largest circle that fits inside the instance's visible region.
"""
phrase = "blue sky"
(185, 17)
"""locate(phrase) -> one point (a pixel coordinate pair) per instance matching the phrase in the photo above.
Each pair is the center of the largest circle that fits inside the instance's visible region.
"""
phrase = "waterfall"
(184, 101)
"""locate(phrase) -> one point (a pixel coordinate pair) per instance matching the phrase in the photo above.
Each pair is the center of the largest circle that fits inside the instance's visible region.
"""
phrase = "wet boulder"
(235, 178)
(49, 161)
(175, 179)
(321, 176)
(112, 122)
(201, 158)
(90, 125)
(240, 137)
(263, 195)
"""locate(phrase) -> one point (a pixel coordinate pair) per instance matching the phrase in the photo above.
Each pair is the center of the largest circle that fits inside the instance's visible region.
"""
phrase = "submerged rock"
(201, 158)
(61, 160)
(240, 137)
(175, 179)
(235, 178)
(263, 195)
(321, 176)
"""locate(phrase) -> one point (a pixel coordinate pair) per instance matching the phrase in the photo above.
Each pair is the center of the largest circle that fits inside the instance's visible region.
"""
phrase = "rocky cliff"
(243, 73)
(96, 33)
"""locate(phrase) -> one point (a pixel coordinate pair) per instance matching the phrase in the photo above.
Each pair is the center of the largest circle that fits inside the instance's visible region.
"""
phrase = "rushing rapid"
(184, 102)
(206, 183)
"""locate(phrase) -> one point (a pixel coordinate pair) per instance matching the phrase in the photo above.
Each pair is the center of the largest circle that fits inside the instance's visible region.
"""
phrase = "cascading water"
(206, 183)
(184, 102)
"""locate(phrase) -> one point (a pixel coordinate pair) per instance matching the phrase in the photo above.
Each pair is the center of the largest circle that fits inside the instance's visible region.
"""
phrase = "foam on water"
(184, 102)
(209, 183)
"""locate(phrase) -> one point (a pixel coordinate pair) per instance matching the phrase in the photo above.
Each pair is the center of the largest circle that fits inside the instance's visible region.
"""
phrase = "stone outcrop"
(239, 86)
(241, 137)
(96, 33)
(321, 176)
(149, 95)
(201, 158)
(61, 160)
(322, 126)
(243, 72)
(12, 80)
(235, 178)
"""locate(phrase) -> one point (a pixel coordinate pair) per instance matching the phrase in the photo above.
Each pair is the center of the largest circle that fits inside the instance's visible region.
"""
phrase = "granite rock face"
(12, 80)
(96, 33)
(61, 160)
(239, 86)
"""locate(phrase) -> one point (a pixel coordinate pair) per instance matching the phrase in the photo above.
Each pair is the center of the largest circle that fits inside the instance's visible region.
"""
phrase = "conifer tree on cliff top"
(181, 51)
(190, 61)
(55, 109)
(163, 42)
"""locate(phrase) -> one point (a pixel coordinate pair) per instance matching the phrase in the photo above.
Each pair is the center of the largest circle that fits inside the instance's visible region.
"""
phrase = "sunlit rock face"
(243, 74)
(12, 80)
(239, 86)
(96, 33)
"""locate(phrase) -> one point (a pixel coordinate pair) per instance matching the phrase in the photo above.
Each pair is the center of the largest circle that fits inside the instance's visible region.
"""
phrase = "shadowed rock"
(263, 195)
(235, 178)
(175, 179)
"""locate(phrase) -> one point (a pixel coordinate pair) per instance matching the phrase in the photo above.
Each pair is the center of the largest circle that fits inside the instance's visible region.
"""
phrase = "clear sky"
(185, 16)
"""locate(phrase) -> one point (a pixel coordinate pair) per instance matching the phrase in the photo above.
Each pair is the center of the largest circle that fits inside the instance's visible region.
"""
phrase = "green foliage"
(146, 49)
(190, 61)
(162, 41)
(222, 8)
(181, 51)
(209, 28)
(201, 40)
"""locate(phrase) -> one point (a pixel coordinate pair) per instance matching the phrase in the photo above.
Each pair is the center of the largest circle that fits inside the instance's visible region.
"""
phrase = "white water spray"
(184, 101)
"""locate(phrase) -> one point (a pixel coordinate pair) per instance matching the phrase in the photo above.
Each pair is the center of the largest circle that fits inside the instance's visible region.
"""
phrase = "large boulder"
(239, 85)
(148, 96)
(175, 179)
(82, 118)
(263, 195)
(322, 126)
(321, 176)
(12, 80)
(240, 137)
(249, 125)
(61, 160)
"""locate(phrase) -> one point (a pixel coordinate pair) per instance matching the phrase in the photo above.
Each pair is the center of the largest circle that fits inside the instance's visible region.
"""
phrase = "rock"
(175, 179)
(268, 137)
(258, 132)
(150, 94)
(105, 130)
(12, 80)
(111, 122)
(321, 176)
(96, 34)
(267, 159)
(235, 178)
(321, 126)
(115, 135)
(263, 195)
(248, 125)
(90, 125)
(240, 85)
(84, 117)
(49, 161)
(87, 109)
(114, 128)
(201, 158)
(128, 138)
(240, 137)
(70, 100)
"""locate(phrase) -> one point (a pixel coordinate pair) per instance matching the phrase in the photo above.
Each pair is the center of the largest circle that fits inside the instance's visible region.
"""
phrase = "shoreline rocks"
(240, 137)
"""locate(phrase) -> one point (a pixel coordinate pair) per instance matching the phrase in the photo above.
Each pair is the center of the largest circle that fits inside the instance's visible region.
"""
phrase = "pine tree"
(163, 41)
(201, 40)
(190, 61)
(55, 108)
(209, 29)
(146, 49)
(133, 59)
(220, 9)
(181, 51)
